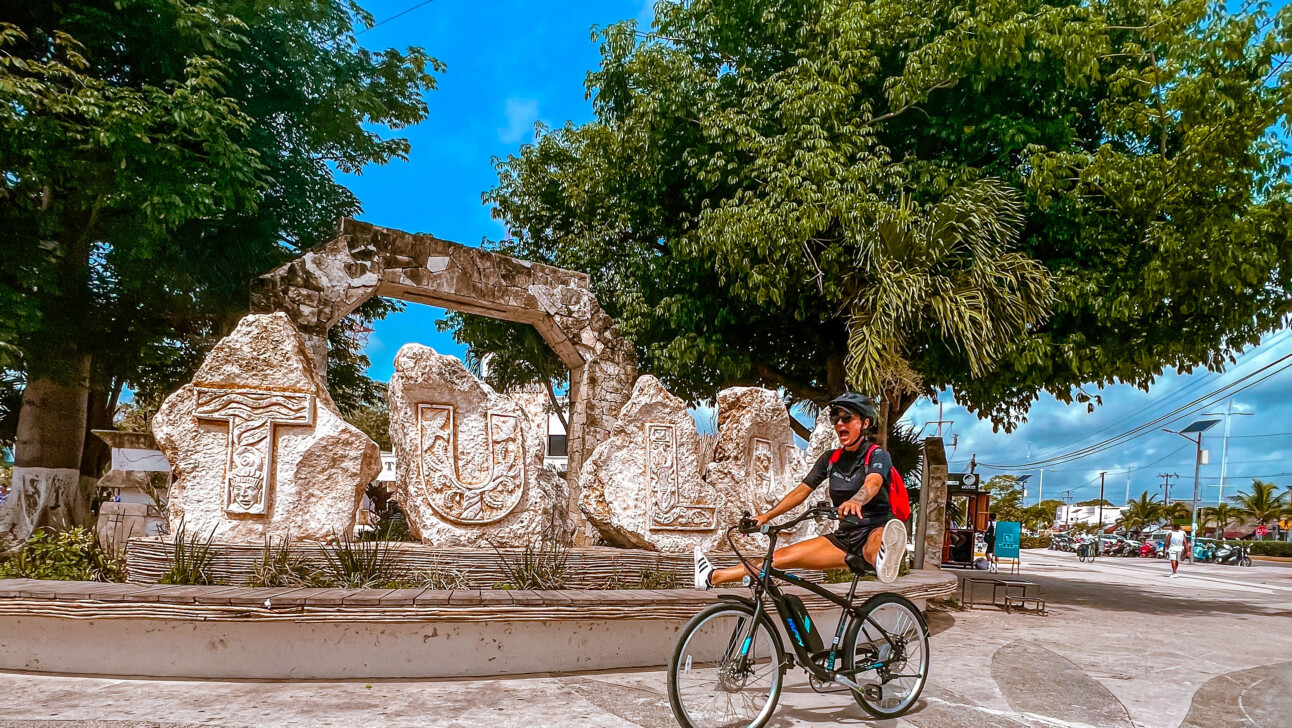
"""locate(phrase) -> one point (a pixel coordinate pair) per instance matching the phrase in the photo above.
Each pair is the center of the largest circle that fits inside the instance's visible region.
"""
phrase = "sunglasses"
(843, 416)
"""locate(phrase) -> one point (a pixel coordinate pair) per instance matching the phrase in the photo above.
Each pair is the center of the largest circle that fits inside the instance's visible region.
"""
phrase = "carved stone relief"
(252, 416)
(669, 512)
(471, 501)
(257, 446)
(329, 281)
(468, 462)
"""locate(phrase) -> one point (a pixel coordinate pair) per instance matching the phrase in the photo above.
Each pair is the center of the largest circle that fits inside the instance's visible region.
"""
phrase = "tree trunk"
(799, 428)
(892, 405)
(47, 456)
(836, 374)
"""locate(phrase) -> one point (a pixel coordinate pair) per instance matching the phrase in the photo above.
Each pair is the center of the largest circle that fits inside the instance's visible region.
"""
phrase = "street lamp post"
(1195, 428)
(1228, 414)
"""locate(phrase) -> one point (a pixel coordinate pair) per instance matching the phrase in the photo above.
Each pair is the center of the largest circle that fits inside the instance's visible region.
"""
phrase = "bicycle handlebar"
(825, 511)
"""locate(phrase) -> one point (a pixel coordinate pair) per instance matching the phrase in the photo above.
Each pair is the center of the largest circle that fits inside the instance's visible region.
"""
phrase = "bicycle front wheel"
(726, 669)
(886, 650)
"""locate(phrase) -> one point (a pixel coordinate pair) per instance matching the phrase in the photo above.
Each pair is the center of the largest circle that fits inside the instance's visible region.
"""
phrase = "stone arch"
(331, 280)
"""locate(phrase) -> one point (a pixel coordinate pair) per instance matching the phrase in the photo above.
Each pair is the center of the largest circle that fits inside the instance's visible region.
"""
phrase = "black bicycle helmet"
(862, 405)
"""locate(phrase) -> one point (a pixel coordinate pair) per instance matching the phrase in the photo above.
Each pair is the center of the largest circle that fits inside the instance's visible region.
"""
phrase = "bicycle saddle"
(856, 564)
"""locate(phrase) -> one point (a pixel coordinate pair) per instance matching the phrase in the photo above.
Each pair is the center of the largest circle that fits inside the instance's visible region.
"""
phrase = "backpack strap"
(870, 452)
(834, 456)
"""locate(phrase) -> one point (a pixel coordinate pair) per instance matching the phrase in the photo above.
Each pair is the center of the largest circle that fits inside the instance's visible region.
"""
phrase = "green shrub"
(279, 567)
(540, 565)
(1034, 542)
(73, 555)
(656, 579)
(190, 560)
(360, 564)
(1271, 548)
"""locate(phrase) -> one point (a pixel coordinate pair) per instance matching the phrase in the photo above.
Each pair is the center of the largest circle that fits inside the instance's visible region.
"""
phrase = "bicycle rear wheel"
(726, 670)
(891, 633)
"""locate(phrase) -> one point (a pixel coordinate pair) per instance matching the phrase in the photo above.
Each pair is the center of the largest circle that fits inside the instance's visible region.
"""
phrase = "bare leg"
(817, 553)
(871, 550)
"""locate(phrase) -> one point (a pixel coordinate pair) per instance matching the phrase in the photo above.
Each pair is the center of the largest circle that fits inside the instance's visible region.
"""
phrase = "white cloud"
(521, 115)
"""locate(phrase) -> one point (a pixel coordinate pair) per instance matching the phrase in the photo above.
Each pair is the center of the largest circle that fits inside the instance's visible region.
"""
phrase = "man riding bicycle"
(859, 487)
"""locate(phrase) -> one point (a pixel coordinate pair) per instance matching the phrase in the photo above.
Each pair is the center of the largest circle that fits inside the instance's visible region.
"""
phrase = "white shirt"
(1177, 540)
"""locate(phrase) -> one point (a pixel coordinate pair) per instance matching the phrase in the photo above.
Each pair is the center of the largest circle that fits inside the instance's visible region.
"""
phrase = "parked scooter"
(1148, 550)
(1204, 552)
(1232, 555)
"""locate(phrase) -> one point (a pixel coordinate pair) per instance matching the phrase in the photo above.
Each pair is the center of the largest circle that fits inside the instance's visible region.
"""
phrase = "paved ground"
(1122, 647)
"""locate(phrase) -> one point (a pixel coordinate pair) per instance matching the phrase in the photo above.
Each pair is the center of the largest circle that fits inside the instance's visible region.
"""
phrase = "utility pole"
(1166, 483)
(1067, 509)
(1101, 502)
(1128, 480)
(1228, 414)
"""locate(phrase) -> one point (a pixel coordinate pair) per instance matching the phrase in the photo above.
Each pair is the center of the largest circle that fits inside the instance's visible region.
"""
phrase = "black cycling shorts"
(852, 540)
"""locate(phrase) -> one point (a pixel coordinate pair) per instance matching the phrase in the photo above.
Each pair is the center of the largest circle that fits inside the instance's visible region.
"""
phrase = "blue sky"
(513, 63)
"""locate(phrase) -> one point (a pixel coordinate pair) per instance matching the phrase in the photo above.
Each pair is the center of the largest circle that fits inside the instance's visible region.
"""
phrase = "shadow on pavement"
(1257, 698)
(1180, 598)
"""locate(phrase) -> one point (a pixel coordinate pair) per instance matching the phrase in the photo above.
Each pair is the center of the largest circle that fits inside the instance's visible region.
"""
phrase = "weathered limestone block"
(469, 461)
(641, 487)
(257, 446)
(823, 440)
(756, 461)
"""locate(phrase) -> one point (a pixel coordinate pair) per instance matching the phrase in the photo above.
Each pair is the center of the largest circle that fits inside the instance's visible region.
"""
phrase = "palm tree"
(1262, 503)
(946, 271)
(1221, 513)
(1143, 512)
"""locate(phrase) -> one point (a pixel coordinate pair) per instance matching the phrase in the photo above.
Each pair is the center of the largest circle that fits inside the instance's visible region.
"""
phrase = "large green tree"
(156, 156)
(735, 196)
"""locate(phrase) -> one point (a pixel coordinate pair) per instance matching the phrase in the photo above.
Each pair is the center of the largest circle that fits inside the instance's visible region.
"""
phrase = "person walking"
(989, 539)
(1176, 543)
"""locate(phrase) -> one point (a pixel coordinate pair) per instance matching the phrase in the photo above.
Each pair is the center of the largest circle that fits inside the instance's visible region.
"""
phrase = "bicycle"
(730, 663)
(1087, 551)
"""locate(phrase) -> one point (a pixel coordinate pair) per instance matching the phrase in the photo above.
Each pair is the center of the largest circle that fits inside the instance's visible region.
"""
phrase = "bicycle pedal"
(873, 693)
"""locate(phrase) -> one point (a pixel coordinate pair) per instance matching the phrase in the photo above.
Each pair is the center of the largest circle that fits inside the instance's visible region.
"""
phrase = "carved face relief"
(253, 417)
(486, 500)
(668, 512)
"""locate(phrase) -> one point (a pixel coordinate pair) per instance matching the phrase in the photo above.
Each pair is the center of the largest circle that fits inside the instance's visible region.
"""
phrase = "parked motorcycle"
(1232, 555)
(1129, 548)
(1148, 550)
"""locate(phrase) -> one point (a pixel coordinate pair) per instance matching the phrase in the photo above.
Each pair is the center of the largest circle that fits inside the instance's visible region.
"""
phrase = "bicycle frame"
(765, 584)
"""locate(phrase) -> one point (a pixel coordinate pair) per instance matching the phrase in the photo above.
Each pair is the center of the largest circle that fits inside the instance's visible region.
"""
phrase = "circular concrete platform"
(239, 632)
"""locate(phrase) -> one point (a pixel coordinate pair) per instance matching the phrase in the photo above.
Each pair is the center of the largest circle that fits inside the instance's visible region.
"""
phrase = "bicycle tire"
(916, 627)
(681, 663)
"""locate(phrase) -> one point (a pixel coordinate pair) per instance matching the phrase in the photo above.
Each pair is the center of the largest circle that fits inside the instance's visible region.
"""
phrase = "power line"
(1134, 433)
(396, 15)
(1172, 396)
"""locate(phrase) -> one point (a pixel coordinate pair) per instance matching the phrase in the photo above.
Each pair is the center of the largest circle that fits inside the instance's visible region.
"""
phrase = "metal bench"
(1035, 604)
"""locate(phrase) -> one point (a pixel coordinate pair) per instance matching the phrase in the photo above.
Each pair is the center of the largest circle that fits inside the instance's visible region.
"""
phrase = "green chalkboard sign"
(1007, 538)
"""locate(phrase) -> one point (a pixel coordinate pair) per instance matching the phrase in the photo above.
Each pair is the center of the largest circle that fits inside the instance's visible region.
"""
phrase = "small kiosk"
(968, 506)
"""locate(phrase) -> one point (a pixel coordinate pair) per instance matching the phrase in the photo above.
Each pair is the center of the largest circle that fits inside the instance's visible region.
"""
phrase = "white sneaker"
(892, 547)
(703, 570)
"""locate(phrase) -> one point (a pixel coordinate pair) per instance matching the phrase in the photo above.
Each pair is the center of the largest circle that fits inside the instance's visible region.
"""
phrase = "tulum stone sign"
(257, 446)
(644, 487)
(331, 280)
(469, 463)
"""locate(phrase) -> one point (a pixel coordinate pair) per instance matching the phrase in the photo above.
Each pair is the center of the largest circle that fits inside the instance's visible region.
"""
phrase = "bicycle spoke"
(711, 684)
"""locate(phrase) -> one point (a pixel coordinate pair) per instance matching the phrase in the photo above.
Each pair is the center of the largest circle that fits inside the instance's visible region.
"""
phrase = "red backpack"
(898, 501)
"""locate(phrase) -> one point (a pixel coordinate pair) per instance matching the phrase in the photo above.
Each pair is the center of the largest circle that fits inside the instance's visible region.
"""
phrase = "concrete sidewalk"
(1122, 647)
